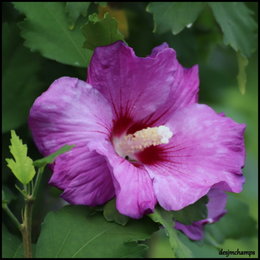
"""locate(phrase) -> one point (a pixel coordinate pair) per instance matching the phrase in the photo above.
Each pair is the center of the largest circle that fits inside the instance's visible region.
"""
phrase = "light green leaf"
(192, 213)
(100, 32)
(237, 24)
(111, 213)
(237, 223)
(174, 16)
(165, 218)
(45, 29)
(19, 81)
(11, 245)
(75, 10)
(22, 166)
(72, 233)
(241, 77)
(50, 158)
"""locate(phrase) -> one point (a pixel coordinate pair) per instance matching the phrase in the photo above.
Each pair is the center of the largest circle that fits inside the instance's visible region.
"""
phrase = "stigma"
(130, 144)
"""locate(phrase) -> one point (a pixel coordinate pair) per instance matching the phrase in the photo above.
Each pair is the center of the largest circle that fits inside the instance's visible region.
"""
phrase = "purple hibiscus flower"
(139, 132)
(216, 210)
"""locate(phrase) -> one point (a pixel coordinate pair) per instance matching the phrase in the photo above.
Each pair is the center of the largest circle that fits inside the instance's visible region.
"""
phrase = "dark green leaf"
(174, 16)
(192, 213)
(111, 213)
(100, 32)
(22, 165)
(165, 218)
(45, 29)
(20, 84)
(241, 77)
(11, 245)
(237, 223)
(50, 158)
(72, 233)
(75, 10)
(7, 195)
(237, 24)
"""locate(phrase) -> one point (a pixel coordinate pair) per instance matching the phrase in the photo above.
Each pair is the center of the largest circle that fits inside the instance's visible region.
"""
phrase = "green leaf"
(50, 158)
(241, 77)
(174, 16)
(75, 10)
(165, 218)
(100, 32)
(162, 249)
(19, 81)
(45, 29)
(237, 223)
(72, 233)
(237, 24)
(101, 3)
(22, 167)
(192, 213)
(11, 245)
(200, 249)
(7, 195)
(111, 213)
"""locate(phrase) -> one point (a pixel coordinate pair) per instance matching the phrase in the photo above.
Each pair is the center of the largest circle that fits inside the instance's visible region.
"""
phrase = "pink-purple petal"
(69, 112)
(194, 231)
(184, 91)
(131, 83)
(216, 204)
(85, 177)
(133, 186)
(216, 210)
(159, 48)
(206, 150)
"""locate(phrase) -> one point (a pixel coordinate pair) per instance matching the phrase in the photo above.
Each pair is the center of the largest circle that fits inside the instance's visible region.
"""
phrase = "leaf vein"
(63, 242)
(92, 239)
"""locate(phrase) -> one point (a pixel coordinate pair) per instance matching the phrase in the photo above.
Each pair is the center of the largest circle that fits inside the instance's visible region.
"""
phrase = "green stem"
(12, 216)
(27, 214)
(29, 193)
(27, 227)
(37, 182)
(21, 191)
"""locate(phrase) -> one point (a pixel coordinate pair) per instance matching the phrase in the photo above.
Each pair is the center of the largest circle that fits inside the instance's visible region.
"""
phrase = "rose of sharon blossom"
(216, 210)
(139, 132)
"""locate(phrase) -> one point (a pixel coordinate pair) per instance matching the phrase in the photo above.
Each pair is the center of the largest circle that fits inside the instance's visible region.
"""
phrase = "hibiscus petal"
(216, 209)
(133, 186)
(158, 49)
(69, 112)
(194, 231)
(216, 205)
(129, 82)
(84, 175)
(184, 91)
(206, 149)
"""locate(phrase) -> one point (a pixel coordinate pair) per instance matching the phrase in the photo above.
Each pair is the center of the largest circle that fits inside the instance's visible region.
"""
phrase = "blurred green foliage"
(106, 27)
(48, 50)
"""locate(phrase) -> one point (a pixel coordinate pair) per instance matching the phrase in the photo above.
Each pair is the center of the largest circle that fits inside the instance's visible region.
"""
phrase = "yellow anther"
(133, 143)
